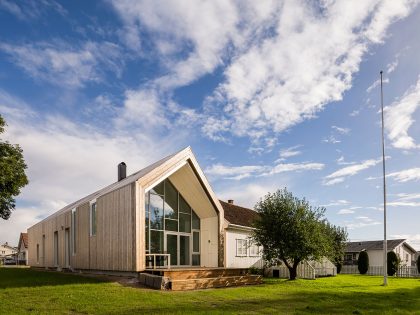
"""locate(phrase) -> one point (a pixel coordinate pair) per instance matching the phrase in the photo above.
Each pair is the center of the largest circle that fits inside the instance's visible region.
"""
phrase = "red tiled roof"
(23, 238)
(239, 215)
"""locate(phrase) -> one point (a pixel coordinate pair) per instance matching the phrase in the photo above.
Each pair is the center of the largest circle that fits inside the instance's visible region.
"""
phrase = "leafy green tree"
(12, 174)
(363, 262)
(291, 231)
(338, 236)
(392, 263)
(418, 264)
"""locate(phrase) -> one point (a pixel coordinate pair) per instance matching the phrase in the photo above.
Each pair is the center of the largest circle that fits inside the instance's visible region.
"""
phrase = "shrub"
(363, 262)
(256, 271)
(392, 263)
(418, 264)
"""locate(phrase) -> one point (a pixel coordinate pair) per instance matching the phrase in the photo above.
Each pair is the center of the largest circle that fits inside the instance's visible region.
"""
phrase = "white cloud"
(405, 196)
(64, 64)
(290, 152)
(334, 203)
(265, 86)
(343, 131)
(239, 172)
(341, 161)
(403, 204)
(247, 195)
(345, 211)
(31, 9)
(399, 118)
(362, 221)
(68, 160)
(412, 174)
(233, 172)
(291, 167)
(331, 139)
(355, 113)
(375, 84)
(340, 175)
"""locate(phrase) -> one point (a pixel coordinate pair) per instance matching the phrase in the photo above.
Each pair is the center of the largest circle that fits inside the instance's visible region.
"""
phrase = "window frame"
(92, 205)
(239, 247)
(255, 246)
(73, 231)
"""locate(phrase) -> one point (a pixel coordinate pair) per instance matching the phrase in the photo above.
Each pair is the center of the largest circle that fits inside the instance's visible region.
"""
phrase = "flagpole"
(384, 185)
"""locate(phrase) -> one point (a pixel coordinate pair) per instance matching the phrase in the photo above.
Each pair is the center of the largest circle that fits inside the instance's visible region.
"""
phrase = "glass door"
(172, 247)
(184, 250)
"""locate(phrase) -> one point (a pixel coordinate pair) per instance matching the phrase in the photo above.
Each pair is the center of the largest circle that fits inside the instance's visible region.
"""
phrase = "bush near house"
(363, 262)
(392, 263)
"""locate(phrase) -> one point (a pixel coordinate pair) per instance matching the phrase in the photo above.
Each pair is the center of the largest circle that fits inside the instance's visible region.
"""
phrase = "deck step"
(218, 282)
(204, 273)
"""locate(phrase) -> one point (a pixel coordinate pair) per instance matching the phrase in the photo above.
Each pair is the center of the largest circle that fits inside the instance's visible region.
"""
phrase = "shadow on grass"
(26, 277)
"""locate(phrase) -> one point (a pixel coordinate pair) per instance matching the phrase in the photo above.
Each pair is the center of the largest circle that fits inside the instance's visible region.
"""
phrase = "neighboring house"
(7, 251)
(240, 252)
(22, 254)
(404, 251)
(165, 208)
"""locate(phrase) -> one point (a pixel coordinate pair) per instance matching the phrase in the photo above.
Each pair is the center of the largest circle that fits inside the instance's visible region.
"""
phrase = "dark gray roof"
(355, 247)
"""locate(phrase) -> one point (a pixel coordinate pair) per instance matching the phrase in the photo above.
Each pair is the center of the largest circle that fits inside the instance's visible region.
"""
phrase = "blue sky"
(269, 94)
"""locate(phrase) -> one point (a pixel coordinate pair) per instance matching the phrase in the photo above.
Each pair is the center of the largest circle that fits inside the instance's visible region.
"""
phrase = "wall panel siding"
(113, 246)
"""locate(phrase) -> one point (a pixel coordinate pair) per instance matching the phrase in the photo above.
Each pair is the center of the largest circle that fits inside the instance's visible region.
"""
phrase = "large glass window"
(195, 221)
(167, 210)
(156, 242)
(156, 212)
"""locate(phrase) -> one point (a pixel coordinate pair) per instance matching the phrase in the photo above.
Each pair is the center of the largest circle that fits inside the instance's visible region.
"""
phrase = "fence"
(403, 271)
(304, 271)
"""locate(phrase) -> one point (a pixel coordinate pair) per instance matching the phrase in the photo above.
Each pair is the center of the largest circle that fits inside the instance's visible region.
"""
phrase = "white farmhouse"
(404, 251)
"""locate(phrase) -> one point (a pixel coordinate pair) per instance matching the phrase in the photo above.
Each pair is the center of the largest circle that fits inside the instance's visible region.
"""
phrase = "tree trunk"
(293, 272)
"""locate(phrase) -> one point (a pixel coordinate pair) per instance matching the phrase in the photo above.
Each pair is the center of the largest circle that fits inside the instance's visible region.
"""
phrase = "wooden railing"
(157, 261)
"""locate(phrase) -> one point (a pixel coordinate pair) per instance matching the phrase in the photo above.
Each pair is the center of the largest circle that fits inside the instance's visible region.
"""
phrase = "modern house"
(163, 217)
(22, 254)
(404, 251)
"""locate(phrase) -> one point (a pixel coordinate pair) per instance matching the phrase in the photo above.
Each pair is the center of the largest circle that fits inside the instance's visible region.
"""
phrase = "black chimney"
(230, 201)
(122, 171)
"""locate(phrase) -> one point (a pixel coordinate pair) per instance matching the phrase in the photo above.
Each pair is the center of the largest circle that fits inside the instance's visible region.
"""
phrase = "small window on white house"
(241, 247)
(37, 253)
(254, 250)
(406, 257)
(73, 231)
(93, 219)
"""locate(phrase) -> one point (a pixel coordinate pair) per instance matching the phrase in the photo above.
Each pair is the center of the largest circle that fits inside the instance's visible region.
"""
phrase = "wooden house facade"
(163, 215)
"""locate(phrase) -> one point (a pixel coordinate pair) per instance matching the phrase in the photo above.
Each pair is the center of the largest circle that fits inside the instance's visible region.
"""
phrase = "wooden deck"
(198, 278)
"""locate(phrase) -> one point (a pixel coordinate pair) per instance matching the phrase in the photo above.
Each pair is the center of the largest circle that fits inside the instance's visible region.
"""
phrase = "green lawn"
(24, 291)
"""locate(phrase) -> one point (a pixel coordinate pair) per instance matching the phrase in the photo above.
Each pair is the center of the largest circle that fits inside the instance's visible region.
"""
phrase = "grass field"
(25, 291)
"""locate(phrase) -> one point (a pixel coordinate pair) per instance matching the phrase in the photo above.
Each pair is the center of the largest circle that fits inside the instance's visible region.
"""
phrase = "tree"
(12, 174)
(363, 262)
(291, 231)
(338, 236)
(392, 263)
(418, 264)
